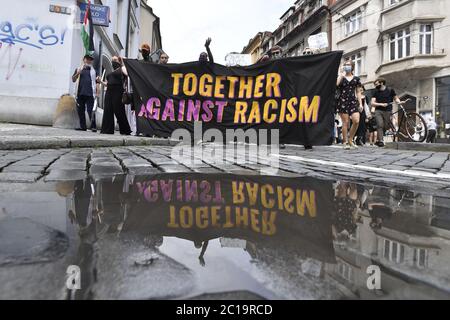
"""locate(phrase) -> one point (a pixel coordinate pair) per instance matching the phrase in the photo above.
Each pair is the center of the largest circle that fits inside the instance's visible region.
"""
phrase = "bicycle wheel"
(416, 127)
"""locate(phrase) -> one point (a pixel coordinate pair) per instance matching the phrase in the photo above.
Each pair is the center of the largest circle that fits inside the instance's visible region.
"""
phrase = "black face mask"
(378, 87)
(116, 65)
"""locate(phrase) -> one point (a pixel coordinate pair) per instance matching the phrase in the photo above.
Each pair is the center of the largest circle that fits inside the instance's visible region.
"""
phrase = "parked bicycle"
(411, 125)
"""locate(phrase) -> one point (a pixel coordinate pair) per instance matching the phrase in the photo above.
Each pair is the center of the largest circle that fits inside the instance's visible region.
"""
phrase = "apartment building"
(303, 19)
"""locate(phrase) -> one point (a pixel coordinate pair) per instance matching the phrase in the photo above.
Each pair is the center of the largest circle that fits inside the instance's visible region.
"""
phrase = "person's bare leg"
(345, 121)
(354, 128)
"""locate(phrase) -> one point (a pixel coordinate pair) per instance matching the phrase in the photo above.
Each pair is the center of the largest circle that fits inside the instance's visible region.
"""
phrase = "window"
(426, 38)
(392, 2)
(394, 251)
(400, 44)
(353, 23)
(345, 270)
(420, 257)
(357, 61)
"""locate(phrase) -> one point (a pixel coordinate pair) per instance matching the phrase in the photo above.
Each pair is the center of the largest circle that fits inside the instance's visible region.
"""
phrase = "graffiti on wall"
(11, 56)
(31, 34)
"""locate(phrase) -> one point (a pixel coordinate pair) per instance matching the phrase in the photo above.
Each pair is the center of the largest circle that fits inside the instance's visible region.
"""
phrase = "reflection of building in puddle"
(398, 231)
(232, 243)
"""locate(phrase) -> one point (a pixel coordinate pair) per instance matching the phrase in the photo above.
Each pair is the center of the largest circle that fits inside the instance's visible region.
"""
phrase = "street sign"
(100, 14)
(59, 9)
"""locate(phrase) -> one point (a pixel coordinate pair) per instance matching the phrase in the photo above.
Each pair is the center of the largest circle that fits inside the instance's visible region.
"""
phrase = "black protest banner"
(294, 95)
(272, 212)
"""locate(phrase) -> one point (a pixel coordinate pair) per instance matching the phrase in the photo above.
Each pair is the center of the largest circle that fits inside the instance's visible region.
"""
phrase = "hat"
(145, 47)
(89, 57)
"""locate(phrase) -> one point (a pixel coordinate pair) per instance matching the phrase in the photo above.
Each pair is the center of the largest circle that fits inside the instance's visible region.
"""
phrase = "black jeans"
(85, 103)
(431, 136)
(361, 132)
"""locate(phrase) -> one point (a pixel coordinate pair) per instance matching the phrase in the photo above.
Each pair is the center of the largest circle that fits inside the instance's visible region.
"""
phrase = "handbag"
(127, 96)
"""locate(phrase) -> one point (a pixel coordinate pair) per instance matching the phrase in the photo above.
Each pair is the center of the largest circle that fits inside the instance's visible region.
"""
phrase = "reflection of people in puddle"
(378, 213)
(85, 214)
(204, 246)
(346, 207)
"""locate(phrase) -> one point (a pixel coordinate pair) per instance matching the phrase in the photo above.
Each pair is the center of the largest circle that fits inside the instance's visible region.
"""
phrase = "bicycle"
(411, 125)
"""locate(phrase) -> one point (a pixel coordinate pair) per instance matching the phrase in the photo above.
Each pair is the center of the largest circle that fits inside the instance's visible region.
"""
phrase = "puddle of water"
(188, 235)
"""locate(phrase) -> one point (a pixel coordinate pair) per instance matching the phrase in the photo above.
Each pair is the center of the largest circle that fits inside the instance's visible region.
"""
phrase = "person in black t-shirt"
(382, 102)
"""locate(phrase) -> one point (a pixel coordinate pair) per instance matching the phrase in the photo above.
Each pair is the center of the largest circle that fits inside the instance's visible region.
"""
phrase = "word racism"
(293, 95)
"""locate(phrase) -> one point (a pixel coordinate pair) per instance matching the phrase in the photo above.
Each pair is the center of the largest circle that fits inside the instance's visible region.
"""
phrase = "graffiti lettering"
(30, 34)
(12, 58)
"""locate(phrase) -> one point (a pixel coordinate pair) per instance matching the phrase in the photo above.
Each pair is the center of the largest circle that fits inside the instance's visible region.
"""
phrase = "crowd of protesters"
(356, 123)
(117, 86)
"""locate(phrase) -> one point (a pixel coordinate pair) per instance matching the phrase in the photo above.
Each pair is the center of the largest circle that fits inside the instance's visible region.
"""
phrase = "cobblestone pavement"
(420, 171)
(24, 137)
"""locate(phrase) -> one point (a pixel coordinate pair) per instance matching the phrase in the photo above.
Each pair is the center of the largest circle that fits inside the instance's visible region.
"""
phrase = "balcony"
(407, 11)
(414, 67)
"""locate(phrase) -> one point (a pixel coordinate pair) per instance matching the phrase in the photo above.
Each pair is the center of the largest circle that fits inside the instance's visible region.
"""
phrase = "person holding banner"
(86, 79)
(113, 100)
(206, 56)
(349, 103)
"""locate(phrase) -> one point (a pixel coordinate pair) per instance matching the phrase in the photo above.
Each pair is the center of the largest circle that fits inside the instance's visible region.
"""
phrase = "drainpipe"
(330, 26)
(128, 29)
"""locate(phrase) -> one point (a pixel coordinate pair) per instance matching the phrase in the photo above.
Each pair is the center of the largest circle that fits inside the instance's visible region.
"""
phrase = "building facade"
(40, 47)
(403, 41)
(302, 20)
(254, 46)
(150, 28)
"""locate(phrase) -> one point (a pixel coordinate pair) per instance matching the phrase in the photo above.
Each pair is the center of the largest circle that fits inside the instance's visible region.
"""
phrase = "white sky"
(185, 24)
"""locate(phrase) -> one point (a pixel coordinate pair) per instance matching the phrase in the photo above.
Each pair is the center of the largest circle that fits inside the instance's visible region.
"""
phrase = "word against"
(73, 281)
(374, 280)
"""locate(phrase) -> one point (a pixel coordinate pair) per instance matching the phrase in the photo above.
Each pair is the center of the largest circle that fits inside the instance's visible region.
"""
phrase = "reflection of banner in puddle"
(272, 210)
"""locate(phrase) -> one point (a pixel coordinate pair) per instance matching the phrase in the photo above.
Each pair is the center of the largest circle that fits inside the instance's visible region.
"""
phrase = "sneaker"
(380, 144)
(347, 146)
(353, 146)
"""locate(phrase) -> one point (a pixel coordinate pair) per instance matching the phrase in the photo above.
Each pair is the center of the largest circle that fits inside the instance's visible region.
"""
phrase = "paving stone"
(142, 170)
(19, 176)
(173, 168)
(19, 168)
(66, 175)
(105, 169)
(68, 165)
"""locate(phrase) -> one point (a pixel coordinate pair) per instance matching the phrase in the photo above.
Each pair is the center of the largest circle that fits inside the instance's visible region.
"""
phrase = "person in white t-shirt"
(432, 126)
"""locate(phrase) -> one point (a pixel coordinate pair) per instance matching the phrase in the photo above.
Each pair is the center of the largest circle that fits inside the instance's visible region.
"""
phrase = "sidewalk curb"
(415, 146)
(82, 142)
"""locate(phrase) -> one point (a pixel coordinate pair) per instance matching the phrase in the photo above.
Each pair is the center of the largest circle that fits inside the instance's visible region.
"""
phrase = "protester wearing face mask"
(113, 100)
(206, 56)
(145, 52)
(349, 104)
(382, 102)
(86, 78)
